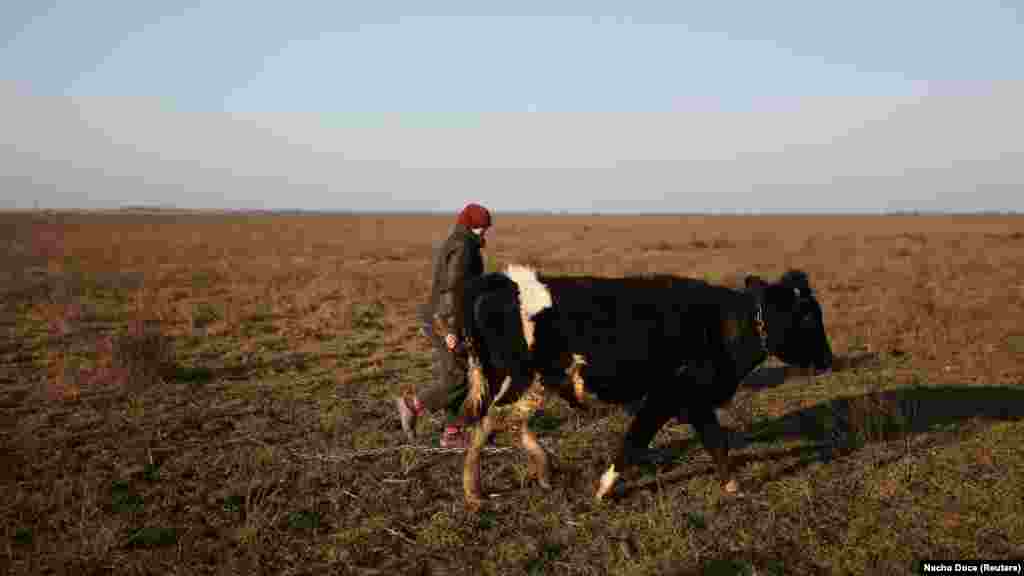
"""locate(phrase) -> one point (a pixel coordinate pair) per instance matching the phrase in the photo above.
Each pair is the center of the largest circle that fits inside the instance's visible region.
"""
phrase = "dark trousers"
(450, 383)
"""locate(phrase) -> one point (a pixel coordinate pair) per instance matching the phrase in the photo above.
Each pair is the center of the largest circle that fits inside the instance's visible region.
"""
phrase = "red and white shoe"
(454, 437)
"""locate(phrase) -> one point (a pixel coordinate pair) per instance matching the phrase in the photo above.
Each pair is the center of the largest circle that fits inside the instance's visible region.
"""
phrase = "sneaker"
(408, 411)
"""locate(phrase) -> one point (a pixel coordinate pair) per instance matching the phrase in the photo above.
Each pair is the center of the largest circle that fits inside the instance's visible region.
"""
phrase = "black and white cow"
(679, 345)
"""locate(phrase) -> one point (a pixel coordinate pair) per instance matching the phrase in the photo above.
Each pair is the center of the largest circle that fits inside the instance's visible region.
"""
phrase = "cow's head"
(793, 320)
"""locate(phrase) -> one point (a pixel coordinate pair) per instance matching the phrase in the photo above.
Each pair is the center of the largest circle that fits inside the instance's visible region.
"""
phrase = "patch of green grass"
(354, 348)
(192, 343)
(259, 327)
(541, 563)
(696, 520)
(233, 503)
(725, 567)
(544, 421)
(368, 316)
(152, 537)
(262, 312)
(190, 374)
(487, 519)
(23, 536)
(303, 520)
(1016, 343)
(204, 314)
(351, 347)
(151, 472)
(124, 500)
(857, 344)
(203, 279)
(273, 344)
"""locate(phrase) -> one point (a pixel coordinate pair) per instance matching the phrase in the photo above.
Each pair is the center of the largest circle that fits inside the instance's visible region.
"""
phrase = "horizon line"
(167, 210)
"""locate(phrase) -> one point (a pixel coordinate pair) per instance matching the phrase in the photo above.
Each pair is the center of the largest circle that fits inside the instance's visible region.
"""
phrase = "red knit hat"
(474, 216)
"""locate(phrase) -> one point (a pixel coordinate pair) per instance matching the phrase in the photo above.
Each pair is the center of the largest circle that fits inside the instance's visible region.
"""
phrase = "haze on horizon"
(572, 106)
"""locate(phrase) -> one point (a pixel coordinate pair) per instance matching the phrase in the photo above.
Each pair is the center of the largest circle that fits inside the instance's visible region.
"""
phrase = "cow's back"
(632, 328)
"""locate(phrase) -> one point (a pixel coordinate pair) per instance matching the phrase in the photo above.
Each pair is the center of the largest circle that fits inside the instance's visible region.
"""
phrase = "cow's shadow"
(841, 427)
(893, 414)
(772, 376)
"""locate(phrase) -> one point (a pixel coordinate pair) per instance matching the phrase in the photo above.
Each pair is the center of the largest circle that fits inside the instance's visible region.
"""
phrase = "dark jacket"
(456, 260)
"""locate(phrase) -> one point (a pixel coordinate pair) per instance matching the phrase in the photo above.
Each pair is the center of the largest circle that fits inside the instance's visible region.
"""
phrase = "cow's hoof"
(542, 477)
(473, 504)
(609, 482)
(732, 488)
(617, 490)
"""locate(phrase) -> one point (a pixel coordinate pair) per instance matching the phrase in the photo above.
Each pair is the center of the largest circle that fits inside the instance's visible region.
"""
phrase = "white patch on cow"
(533, 296)
(607, 482)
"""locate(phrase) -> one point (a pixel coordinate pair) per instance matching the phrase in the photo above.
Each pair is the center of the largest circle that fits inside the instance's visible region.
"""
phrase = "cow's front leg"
(537, 458)
(716, 442)
(652, 416)
(471, 464)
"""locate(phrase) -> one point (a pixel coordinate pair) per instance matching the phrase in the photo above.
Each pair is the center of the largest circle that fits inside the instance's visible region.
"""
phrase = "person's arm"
(449, 309)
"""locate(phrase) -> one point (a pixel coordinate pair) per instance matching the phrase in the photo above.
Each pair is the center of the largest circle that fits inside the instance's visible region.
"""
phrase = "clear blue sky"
(580, 106)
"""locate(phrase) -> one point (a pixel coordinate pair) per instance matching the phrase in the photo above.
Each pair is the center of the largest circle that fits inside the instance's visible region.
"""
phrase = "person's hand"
(450, 341)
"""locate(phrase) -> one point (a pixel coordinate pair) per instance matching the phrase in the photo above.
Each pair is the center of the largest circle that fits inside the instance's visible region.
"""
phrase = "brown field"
(202, 394)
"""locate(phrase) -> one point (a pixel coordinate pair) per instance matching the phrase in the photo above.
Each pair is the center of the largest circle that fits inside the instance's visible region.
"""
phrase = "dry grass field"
(208, 394)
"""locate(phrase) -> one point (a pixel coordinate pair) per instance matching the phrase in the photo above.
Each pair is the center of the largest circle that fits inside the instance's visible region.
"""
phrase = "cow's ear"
(798, 281)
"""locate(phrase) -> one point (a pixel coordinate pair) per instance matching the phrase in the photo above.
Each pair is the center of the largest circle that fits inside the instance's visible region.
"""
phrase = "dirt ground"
(209, 394)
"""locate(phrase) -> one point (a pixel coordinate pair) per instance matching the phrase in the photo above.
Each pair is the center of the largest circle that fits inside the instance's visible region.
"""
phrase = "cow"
(676, 347)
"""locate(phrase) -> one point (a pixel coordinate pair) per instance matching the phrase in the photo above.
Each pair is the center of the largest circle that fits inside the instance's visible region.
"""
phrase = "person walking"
(456, 261)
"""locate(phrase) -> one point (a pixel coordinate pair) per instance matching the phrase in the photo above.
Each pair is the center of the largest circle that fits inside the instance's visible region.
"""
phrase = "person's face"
(481, 233)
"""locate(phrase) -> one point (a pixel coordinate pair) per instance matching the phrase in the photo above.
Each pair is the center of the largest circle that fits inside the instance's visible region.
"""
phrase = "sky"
(569, 106)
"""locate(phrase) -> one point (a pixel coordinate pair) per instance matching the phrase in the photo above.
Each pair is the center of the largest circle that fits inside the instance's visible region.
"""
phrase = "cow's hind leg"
(652, 416)
(471, 464)
(716, 442)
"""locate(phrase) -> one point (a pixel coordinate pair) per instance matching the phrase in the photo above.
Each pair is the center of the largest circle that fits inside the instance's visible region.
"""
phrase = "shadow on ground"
(771, 376)
(893, 414)
(843, 426)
